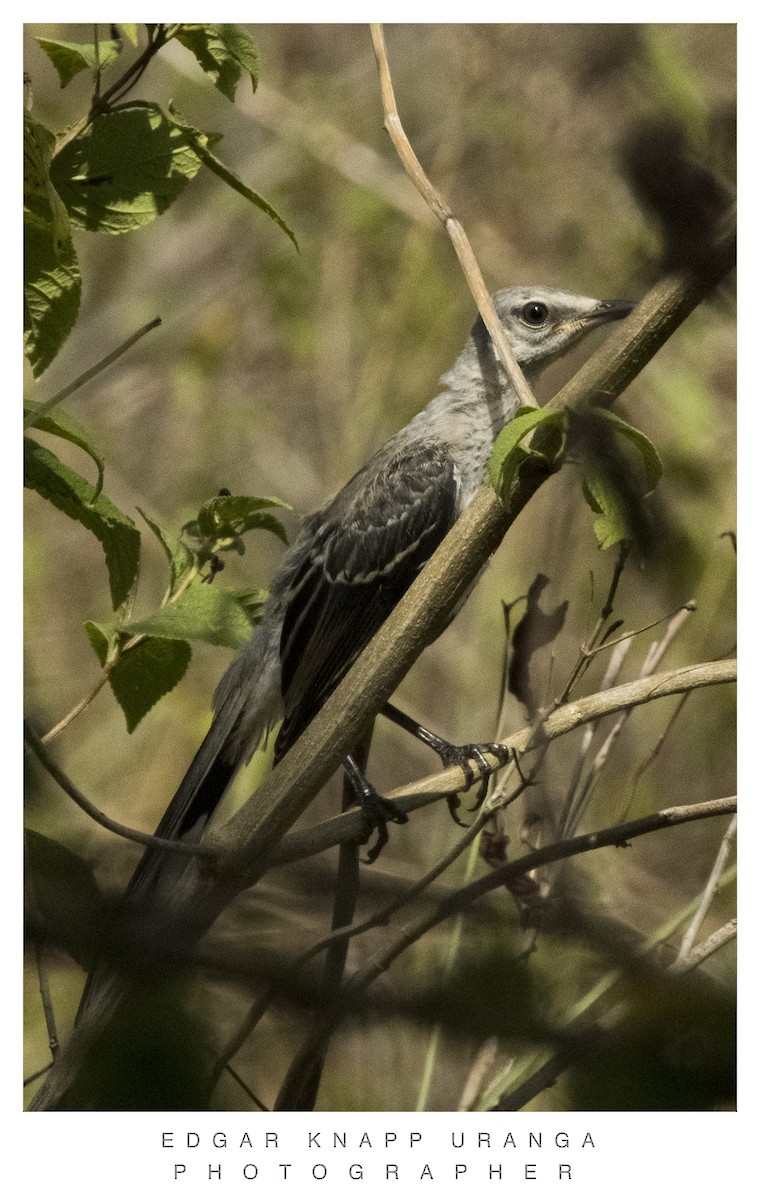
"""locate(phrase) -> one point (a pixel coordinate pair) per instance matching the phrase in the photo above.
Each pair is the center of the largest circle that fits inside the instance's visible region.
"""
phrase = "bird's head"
(542, 323)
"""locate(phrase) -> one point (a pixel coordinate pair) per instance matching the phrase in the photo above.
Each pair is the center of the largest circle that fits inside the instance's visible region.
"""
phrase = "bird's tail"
(185, 818)
(196, 799)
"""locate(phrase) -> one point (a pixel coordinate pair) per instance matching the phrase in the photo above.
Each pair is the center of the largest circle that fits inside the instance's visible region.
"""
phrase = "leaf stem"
(40, 410)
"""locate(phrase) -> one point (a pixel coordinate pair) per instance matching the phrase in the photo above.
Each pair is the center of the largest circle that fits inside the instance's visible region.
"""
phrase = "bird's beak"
(611, 310)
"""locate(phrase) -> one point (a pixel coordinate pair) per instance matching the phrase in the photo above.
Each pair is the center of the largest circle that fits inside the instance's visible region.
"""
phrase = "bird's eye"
(534, 313)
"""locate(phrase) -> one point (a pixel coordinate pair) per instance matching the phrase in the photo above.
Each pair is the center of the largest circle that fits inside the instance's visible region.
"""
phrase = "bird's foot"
(376, 811)
(472, 759)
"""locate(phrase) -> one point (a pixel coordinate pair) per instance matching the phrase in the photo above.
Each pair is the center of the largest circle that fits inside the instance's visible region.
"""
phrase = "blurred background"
(278, 373)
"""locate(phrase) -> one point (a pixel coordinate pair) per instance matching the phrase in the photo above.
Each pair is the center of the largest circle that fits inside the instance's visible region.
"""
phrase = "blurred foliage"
(278, 374)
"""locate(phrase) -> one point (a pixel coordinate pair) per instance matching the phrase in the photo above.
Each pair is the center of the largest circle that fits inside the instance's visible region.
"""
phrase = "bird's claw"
(377, 811)
(465, 757)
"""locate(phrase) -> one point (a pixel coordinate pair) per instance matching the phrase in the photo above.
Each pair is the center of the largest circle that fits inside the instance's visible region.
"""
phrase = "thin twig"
(37, 1074)
(708, 895)
(573, 814)
(45, 996)
(157, 39)
(246, 1089)
(652, 755)
(187, 849)
(720, 938)
(607, 609)
(40, 410)
(457, 234)
(79, 707)
(613, 667)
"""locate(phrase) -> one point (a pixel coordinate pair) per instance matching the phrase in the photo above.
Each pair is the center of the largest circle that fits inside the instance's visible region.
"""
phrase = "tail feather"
(194, 802)
(192, 806)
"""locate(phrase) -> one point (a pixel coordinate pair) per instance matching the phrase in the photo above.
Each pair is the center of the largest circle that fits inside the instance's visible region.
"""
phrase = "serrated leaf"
(201, 147)
(69, 58)
(223, 52)
(145, 673)
(509, 450)
(73, 495)
(125, 169)
(39, 144)
(202, 613)
(179, 556)
(63, 901)
(64, 425)
(226, 517)
(51, 273)
(52, 288)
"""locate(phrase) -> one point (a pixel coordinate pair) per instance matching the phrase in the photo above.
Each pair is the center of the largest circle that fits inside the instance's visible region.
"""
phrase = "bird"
(354, 558)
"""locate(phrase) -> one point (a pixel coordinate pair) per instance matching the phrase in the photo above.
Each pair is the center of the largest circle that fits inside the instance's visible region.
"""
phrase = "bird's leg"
(376, 809)
(472, 757)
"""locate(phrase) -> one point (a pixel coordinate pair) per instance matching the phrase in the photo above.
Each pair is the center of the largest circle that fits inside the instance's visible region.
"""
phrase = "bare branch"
(416, 795)
(711, 889)
(457, 234)
(41, 409)
(132, 835)
(45, 996)
(704, 950)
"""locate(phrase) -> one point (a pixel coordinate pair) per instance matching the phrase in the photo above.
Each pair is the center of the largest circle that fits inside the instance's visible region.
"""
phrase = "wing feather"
(373, 541)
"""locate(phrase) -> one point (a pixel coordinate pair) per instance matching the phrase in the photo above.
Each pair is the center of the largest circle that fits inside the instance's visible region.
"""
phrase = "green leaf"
(608, 492)
(63, 425)
(145, 673)
(52, 289)
(73, 495)
(125, 169)
(226, 517)
(39, 144)
(650, 458)
(69, 58)
(179, 556)
(223, 52)
(100, 638)
(509, 449)
(131, 33)
(610, 525)
(63, 902)
(51, 273)
(202, 613)
(253, 601)
(200, 144)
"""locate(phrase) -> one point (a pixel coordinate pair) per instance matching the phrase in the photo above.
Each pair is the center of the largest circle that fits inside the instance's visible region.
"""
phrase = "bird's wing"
(373, 541)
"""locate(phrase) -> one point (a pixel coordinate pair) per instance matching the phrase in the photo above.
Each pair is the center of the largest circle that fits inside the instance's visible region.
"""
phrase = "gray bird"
(354, 559)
